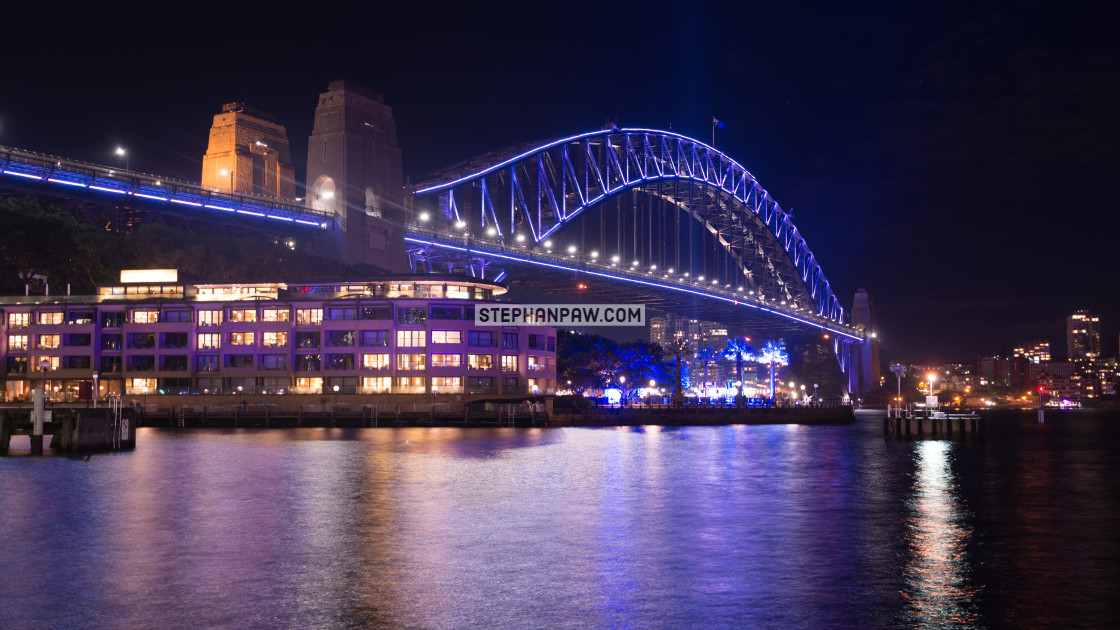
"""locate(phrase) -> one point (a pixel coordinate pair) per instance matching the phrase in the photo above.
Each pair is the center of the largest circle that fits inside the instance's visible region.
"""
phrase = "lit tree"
(706, 355)
(773, 354)
(740, 350)
(678, 349)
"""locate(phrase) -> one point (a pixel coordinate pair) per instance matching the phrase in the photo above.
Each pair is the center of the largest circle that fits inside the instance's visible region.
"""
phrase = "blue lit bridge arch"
(652, 209)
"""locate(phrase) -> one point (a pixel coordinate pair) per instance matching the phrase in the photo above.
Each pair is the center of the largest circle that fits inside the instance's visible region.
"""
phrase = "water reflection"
(937, 575)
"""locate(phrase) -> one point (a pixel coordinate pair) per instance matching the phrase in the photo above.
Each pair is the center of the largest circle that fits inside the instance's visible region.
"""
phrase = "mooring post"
(37, 422)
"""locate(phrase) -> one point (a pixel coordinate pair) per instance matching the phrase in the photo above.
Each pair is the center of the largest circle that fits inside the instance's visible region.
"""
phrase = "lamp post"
(899, 371)
(335, 388)
(95, 389)
(45, 367)
(816, 401)
(121, 151)
(622, 386)
(241, 397)
(932, 378)
(802, 394)
(224, 172)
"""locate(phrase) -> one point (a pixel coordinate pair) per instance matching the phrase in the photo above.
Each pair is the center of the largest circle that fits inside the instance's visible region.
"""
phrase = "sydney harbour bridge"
(615, 215)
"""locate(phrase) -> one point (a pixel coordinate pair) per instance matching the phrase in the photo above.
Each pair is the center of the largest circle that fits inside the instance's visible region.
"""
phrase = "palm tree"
(678, 348)
(706, 355)
(774, 354)
(740, 350)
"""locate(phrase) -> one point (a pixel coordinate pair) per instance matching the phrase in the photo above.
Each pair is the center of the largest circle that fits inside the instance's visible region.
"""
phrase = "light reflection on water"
(937, 573)
(715, 527)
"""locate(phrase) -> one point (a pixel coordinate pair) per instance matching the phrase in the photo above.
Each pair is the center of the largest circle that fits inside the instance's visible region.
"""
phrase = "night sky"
(958, 160)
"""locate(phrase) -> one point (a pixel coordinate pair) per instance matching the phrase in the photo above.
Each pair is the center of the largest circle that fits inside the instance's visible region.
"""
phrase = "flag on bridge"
(716, 123)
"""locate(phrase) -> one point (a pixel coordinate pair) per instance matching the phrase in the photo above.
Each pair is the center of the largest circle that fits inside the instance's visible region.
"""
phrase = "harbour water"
(654, 527)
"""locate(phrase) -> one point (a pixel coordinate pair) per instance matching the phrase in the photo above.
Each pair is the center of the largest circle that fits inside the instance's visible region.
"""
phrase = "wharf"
(72, 430)
(700, 416)
(916, 424)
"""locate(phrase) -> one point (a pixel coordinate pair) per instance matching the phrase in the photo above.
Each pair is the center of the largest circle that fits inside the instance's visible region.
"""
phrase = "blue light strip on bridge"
(657, 285)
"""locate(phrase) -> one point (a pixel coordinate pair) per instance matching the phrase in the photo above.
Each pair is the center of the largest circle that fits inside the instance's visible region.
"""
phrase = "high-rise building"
(1083, 336)
(1033, 351)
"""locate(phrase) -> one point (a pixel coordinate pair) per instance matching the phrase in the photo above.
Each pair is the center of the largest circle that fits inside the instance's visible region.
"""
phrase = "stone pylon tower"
(248, 154)
(863, 376)
(354, 169)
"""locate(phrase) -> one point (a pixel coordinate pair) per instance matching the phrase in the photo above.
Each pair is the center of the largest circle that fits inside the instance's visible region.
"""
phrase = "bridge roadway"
(583, 279)
(36, 172)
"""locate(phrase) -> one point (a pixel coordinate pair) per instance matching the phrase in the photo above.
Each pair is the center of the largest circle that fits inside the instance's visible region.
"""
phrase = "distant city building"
(1083, 336)
(700, 335)
(248, 154)
(1033, 351)
(154, 333)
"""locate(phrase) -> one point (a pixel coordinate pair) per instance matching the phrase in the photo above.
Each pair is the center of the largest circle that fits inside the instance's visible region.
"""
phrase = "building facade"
(1083, 336)
(154, 334)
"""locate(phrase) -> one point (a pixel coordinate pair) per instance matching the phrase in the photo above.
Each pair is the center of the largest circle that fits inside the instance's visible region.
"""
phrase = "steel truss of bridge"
(687, 221)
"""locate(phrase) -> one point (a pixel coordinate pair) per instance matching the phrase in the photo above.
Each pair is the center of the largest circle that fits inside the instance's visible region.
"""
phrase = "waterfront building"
(154, 333)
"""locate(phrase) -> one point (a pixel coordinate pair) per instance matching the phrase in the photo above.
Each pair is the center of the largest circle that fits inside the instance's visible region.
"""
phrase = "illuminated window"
(241, 339)
(480, 361)
(458, 292)
(275, 339)
(375, 361)
(17, 343)
(410, 361)
(447, 336)
(309, 316)
(47, 342)
(145, 317)
(209, 318)
(509, 362)
(242, 315)
(410, 338)
(447, 360)
(209, 341)
(275, 315)
(447, 385)
(377, 384)
(312, 385)
(536, 364)
(37, 363)
(410, 385)
(50, 318)
(18, 320)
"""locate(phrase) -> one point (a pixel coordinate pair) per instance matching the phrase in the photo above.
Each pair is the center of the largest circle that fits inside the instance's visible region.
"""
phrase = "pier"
(71, 431)
(904, 423)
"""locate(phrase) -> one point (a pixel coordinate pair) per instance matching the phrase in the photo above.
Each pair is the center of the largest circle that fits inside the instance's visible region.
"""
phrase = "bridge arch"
(540, 196)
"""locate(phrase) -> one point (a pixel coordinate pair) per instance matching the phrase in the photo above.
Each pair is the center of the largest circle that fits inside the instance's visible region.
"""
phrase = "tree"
(706, 355)
(678, 349)
(740, 350)
(773, 354)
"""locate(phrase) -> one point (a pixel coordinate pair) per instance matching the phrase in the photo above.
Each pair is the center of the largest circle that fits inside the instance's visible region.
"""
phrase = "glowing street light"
(491, 232)
(121, 151)
(931, 377)
(425, 217)
(223, 173)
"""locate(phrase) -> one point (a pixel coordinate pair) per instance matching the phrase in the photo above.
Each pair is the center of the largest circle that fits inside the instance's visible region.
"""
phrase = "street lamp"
(44, 367)
(95, 389)
(932, 378)
(241, 397)
(335, 397)
(224, 172)
(121, 151)
(899, 371)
